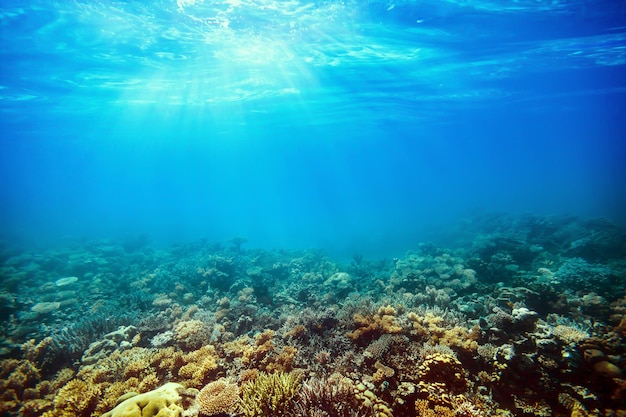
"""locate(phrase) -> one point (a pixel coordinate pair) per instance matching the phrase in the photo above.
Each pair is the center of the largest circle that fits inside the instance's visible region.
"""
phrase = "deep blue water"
(355, 126)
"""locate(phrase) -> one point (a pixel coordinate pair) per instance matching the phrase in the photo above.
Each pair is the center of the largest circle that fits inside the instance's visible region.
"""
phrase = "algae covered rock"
(165, 401)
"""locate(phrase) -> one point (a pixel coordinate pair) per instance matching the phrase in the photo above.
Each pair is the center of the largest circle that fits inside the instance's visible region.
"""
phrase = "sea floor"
(512, 316)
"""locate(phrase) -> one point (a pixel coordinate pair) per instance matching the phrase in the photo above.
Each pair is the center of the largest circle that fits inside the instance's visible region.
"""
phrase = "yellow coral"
(201, 365)
(423, 409)
(370, 327)
(461, 337)
(433, 327)
(218, 397)
(18, 375)
(270, 394)
(111, 394)
(371, 400)
(162, 402)
(382, 373)
(35, 407)
(443, 368)
(76, 398)
(149, 382)
(166, 360)
(569, 334)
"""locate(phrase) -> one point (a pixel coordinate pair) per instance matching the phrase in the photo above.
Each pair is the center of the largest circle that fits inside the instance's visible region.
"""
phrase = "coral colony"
(525, 317)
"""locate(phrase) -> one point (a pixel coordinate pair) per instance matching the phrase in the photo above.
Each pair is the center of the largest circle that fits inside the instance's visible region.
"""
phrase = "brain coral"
(162, 402)
(218, 397)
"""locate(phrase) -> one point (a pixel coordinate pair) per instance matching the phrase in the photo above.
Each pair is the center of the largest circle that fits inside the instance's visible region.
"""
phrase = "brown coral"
(383, 372)
(218, 397)
(445, 369)
(192, 334)
(283, 362)
(329, 397)
(371, 327)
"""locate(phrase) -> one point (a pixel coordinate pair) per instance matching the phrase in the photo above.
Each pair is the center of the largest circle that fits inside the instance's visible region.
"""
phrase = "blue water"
(354, 126)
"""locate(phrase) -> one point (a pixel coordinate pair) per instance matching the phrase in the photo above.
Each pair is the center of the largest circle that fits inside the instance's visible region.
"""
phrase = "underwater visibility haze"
(359, 208)
(355, 126)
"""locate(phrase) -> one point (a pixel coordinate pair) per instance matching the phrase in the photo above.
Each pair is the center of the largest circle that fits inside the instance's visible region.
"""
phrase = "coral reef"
(524, 317)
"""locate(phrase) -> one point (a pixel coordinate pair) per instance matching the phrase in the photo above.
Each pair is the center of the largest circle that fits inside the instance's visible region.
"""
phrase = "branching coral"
(200, 366)
(270, 394)
(17, 378)
(261, 353)
(371, 327)
(435, 328)
(332, 397)
(569, 334)
(463, 409)
(77, 398)
(283, 362)
(255, 355)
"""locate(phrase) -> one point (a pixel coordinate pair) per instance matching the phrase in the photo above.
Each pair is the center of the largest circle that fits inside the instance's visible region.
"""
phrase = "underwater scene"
(292, 208)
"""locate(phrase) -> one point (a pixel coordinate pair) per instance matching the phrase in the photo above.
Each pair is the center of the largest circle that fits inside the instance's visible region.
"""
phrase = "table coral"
(123, 338)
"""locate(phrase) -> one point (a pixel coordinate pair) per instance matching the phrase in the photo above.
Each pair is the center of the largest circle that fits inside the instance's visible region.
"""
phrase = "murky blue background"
(355, 126)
